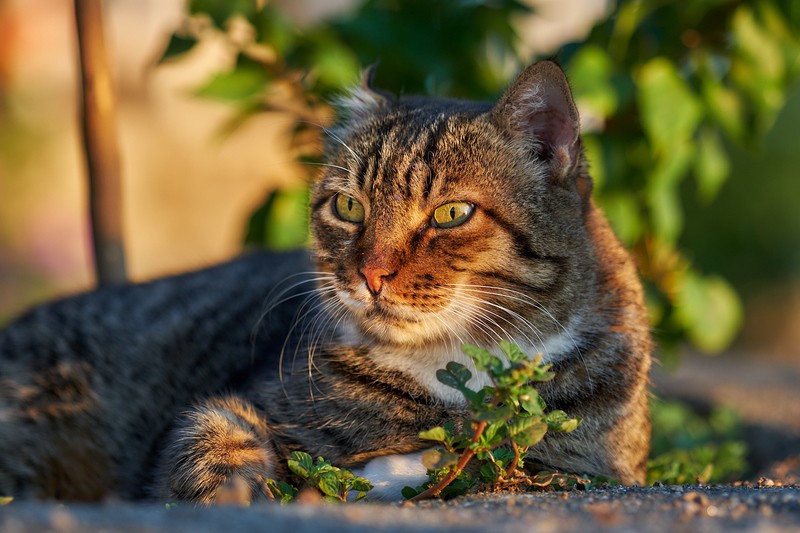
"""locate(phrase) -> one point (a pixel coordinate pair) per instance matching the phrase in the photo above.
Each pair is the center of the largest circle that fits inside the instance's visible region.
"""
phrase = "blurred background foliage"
(671, 94)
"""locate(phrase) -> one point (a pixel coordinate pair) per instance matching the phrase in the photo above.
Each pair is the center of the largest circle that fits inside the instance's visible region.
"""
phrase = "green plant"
(507, 418)
(690, 448)
(662, 87)
(336, 484)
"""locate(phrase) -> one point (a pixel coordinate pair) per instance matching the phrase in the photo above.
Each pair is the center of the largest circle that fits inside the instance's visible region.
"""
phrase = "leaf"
(531, 434)
(501, 412)
(301, 464)
(455, 375)
(409, 492)
(484, 360)
(669, 109)
(589, 73)
(222, 11)
(361, 484)
(177, 46)
(531, 402)
(711, 165)
(437, 458)
(561, 422)
(709, 309)
(625, 215)
(488, 473)
(437, 433)
(248, 79)
(281, 223)
(662, 192)
(329, 483)
(726, 106)
(513, 353)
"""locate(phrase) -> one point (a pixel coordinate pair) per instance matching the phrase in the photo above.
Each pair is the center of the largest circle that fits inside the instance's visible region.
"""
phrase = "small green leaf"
(532, 434)
(531, 402)
(301, 464)
(590, 78)
(248, 79)
(438, 434)
(329, 483)
(488, 473)
(561, 422)
(711, 165)
(670, 110)
(483, 359)
(361, 484)
(502, 412)
(709, 309)
(409, 492)
(455, 375)
(513, 353)
(281, 223)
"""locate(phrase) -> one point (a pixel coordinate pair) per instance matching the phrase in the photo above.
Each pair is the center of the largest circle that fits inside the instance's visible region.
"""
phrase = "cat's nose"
(375, 277)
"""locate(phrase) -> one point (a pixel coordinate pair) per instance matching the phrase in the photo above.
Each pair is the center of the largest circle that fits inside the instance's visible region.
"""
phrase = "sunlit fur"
(199, 386)
(510, 272)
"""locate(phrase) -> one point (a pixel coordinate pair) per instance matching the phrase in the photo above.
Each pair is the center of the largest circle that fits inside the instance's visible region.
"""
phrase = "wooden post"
(100, 144)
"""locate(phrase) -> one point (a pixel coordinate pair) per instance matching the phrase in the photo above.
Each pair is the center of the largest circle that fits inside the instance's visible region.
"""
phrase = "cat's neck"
(421, 363)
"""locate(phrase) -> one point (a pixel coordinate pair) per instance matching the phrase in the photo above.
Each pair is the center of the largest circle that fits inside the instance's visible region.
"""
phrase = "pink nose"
(375, 276)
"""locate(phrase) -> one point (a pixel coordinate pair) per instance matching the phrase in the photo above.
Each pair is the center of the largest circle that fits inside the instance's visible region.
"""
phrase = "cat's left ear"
(538, 108)
(364, 100)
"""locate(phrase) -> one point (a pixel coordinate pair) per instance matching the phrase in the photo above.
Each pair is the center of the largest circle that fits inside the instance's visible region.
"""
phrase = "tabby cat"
(435, 222)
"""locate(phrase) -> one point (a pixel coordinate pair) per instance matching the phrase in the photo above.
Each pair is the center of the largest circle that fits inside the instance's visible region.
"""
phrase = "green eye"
(348, 208)
(452, 214)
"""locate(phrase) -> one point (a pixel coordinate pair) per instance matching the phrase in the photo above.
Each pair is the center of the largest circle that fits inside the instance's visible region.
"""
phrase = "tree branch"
(100, 144)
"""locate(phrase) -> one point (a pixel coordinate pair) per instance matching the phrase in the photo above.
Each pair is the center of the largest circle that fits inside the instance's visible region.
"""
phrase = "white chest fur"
(421, 364)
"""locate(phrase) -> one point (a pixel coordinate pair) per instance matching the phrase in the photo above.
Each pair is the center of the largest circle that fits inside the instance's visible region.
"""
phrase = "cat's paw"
(219, 454)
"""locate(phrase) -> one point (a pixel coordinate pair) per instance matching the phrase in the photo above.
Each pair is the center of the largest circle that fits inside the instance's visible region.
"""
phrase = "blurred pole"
(100, 145)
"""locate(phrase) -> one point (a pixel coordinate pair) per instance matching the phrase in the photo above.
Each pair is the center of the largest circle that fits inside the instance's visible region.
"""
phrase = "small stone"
(696, 497)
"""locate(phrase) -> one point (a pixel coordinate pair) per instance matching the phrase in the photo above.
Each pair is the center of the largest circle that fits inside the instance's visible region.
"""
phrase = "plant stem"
(515, 462)
(454, 472)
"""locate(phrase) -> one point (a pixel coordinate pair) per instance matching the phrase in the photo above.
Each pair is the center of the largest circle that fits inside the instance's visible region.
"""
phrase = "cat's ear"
(538, 108)
(363, 100)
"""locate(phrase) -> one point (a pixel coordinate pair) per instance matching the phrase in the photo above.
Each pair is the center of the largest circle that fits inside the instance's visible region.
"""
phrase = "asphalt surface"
(695, 509)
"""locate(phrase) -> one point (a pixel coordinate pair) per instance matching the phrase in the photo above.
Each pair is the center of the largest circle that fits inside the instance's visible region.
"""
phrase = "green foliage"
(281, 222)
(336, 484)
(507, 418)
(677, 82)
(662, 87)
(689, 448)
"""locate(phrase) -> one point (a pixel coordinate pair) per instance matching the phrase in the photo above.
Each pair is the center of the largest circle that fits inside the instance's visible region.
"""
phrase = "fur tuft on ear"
(363, 100)
(538, 108)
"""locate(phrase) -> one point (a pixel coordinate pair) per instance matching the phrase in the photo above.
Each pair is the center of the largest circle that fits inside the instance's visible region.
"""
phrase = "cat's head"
(449, 221)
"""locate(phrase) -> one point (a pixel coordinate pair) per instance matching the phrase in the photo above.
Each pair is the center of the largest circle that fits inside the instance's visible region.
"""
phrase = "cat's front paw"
(219, 453)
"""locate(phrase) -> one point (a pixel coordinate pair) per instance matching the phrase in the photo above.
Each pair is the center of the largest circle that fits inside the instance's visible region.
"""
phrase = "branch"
(454, 472)
(100, 145)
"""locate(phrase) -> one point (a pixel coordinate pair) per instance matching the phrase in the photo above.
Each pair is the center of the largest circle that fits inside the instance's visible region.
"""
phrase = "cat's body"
(436, 223)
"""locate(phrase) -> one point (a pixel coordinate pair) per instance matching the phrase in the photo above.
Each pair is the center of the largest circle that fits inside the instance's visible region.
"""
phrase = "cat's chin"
(399, 326)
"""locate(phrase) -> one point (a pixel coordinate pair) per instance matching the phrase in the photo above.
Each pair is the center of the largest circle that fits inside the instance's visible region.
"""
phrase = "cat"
(435, 222)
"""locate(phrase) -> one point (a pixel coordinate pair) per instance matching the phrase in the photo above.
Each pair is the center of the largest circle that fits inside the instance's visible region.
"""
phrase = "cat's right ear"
(538, 110)
(363, 100)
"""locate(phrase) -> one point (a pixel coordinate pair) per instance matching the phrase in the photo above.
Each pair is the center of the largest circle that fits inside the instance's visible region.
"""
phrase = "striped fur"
(396, 296)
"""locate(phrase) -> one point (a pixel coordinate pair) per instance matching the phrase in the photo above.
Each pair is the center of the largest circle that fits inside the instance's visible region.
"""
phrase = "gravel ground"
(766, 394)
(695, 509)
